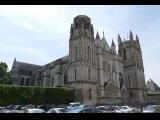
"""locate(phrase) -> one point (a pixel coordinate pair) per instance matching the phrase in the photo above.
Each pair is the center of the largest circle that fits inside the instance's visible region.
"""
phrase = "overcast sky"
(40, 34)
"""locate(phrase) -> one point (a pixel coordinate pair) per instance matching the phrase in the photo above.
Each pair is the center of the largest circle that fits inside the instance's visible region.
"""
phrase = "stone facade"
(97, 72)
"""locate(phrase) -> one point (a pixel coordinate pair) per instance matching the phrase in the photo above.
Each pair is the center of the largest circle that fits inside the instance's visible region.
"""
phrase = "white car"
(73, 105)
(57, 110)
(34, 110)
(126, 109)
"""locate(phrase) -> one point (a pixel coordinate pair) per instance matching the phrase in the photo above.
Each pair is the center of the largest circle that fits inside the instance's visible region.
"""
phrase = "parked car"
(34, 110)
(126, 109)
(44, 107)
(30, 106)
(5, 111)
(81, 106)
(85, 110)
(57, 110)
(12, 111)
(113, 109)
(73, 105)
(151, 109)
(102, 108)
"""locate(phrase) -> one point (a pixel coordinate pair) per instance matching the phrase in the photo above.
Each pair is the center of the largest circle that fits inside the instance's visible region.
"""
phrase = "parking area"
(77, 107)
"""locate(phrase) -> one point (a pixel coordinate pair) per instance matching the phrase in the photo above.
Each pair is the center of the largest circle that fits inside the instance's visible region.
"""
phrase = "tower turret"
(119, 40)
(137, 38)
(97, 40)
(104, 44)
(130, 35)
(97, 35)
(113, 47)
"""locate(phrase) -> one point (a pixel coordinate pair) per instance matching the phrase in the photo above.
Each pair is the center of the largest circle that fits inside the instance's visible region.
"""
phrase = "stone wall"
(153, 97)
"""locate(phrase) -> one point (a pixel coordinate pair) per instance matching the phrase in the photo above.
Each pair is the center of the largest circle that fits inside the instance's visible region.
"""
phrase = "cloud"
(43, 32)
(37, 18)
(23, 51)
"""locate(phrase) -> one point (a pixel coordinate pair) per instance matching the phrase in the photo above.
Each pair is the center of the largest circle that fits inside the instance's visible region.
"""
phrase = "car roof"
(78, 109)
(100, 106)
(35, 109)
(75, 103)
(56, 108)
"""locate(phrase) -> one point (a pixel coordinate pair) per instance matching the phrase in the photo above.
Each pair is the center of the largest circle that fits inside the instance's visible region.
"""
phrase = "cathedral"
(98, 73)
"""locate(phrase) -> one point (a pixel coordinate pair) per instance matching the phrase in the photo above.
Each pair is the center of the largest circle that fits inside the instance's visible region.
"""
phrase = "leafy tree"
(4, 74)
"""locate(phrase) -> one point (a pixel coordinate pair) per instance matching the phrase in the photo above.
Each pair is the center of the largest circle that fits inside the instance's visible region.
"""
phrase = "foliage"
(10, 94)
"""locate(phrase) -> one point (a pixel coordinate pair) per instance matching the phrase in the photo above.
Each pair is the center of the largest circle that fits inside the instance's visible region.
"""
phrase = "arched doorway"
(124, 96)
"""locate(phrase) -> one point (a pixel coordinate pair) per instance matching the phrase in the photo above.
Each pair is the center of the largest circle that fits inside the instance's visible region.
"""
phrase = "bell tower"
(81, 73)
(134, 79)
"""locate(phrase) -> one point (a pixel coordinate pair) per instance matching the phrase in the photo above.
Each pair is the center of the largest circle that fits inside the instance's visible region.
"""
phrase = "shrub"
(10, 94)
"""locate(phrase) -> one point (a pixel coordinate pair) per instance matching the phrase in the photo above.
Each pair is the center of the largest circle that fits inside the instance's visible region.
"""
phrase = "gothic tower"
(81, 73)
(134, 79)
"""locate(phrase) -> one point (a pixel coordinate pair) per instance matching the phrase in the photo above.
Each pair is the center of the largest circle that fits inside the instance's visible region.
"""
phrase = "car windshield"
(123, 108)
(63, 110)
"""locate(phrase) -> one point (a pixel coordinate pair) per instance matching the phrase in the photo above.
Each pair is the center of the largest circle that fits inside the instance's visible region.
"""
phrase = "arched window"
(76, 26)
(75, 72)
(89, 70)
(88, 52)
(121, 80)
(129, 82)
(27, 82)
(124, 54)
(76, 52)
(65, 78)
(89, 94)
(52, 81)
(22, 81)
(87, 25)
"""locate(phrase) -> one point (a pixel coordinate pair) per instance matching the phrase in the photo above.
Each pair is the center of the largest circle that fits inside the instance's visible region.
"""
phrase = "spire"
(97, 36)
(105, 45)
(113, 47)
(119, 40)
(137, 37)
(130, 35)
(113, 43)
(71, 31)
(15, 59)
(103, 34)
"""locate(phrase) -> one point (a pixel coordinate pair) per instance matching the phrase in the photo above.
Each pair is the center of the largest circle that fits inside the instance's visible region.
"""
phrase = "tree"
(4, 74)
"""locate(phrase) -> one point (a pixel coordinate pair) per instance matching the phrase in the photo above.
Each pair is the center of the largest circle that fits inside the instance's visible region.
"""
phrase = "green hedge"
(10, 94)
